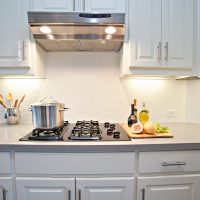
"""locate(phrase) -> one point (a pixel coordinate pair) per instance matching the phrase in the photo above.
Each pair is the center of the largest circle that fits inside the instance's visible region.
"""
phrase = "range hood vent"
(71, 31)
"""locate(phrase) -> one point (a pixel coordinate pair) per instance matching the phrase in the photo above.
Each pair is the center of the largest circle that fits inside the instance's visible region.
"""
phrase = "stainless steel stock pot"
(48, 114)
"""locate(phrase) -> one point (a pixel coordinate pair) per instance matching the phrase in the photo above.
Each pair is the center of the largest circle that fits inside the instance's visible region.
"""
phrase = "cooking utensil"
(1, 97)
(2, 101)
(48, 114)
(12, 115)
(16, 103)
(22, 99)
(9, 97)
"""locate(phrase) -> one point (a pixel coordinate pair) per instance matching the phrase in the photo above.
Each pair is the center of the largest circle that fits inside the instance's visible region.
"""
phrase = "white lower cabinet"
(183, 187)
(45, 188)
(6, 188)
(105, 188)
(35, 188)
(168, 175)
(75, 176)
(161, 175)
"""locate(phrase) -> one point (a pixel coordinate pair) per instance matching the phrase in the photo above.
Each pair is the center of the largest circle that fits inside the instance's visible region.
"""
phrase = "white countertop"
(186, 137)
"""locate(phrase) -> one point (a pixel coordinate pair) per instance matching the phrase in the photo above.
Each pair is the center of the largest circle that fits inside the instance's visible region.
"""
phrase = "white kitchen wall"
(193, 101)
(89, 84)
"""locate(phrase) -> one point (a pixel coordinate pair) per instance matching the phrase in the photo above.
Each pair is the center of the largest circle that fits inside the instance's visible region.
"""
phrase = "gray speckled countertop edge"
(99, 148)
(186, 137)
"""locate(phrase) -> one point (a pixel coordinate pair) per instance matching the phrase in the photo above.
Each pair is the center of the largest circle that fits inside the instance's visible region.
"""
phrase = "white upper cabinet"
(177, 33)
(161, 33)
(53, 5)
(105, 6)
(17, 51)
(12, 40)
(79, 5)
(145, 32)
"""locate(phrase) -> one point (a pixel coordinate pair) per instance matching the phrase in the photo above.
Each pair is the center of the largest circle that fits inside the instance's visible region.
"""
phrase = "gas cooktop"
(80, 131)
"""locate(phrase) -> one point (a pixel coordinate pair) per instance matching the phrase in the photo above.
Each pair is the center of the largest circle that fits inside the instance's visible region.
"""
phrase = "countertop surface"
(186, 137)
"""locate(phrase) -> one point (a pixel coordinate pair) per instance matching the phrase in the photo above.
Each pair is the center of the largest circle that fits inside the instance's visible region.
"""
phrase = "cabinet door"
(171, 187)
(105, 188)
(177, 32)
(145, 33)
(105, 6)
(12, 48)
(53, 5)
(6, 188)
(17, 49)
(45, 188)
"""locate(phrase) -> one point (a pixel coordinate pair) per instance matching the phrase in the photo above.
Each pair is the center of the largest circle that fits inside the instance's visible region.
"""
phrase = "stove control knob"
(106, 124)
(116, 135)
(109, 132)
(112, 126)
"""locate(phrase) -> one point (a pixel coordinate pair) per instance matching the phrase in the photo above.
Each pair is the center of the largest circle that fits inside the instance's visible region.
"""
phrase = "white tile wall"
(89, 84)
(193, 101)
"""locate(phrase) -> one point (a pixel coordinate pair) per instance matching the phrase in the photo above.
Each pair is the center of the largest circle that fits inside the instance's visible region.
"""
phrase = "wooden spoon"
(16, 103)
(22, 99)
(1, 99)
(10, 97)
(2, 103)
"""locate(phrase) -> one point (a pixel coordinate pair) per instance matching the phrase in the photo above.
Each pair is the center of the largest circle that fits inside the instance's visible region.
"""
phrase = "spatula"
(10, 97)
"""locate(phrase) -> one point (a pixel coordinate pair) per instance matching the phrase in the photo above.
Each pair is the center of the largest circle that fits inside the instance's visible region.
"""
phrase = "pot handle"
(29, 109)
(63, 109)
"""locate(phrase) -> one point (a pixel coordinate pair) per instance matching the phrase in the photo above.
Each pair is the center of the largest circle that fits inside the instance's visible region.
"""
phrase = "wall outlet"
(171, 113)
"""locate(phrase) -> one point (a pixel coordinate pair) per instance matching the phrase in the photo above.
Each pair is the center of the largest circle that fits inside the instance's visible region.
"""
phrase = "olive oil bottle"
(132, 119)
(144, 114)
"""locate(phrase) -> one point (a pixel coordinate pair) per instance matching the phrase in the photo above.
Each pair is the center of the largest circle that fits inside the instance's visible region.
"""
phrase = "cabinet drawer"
(5, 163)
(169, 161)
(74, 163)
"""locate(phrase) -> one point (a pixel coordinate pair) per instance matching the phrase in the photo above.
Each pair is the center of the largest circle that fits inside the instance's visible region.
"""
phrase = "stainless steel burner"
(86, 130)
(80, 131)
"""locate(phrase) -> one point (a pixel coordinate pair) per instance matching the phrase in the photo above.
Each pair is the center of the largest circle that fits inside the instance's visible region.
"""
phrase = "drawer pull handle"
(79, 194)
(143, 194)
(4, 193)
(69, 194)
(24, 50)
(159, 51)
(166, 51)
(178, 163)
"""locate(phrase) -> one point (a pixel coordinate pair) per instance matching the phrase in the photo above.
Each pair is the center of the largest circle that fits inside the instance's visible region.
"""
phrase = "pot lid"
(47, 101)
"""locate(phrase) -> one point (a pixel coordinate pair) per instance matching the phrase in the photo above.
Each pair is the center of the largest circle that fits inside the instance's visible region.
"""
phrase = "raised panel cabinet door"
(6, 188)
(12, 48)
(185, 187)
(178, 33)
(105, 188)
(105, 6)
(45, 188)
(53, 5)
(145, 33)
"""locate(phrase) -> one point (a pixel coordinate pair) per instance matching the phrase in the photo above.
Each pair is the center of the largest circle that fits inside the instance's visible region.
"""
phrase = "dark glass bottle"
(132, 119)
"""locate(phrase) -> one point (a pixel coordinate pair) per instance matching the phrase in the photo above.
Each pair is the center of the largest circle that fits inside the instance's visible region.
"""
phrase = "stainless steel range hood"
(71, 31)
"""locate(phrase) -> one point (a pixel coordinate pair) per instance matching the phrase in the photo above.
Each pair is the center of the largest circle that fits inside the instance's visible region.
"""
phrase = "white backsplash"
(193, 101)
(89, 84)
